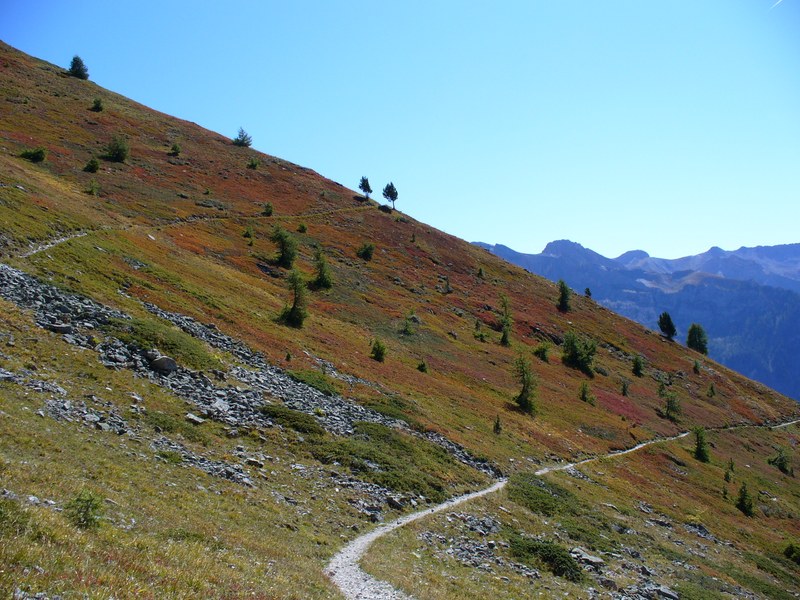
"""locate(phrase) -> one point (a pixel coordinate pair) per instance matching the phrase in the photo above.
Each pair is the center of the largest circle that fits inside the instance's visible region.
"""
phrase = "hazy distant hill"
(747, 300)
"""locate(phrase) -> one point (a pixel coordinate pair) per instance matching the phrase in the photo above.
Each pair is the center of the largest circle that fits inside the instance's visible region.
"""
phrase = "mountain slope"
(295, 438)
(752, 326)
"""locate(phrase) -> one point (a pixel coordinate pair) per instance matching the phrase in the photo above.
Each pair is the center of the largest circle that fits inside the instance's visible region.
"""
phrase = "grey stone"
(164, 364)
(194, 419)
(665, 592)
(60, 327)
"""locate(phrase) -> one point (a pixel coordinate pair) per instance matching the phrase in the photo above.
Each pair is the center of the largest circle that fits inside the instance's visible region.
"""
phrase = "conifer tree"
(296, 314)
(390, 193)
(364, 186)
(744, 502)
(697, 339)
(701, 452)
(666, 325)
(323, 278)
(77, 68)
(243, 139)
(505, 321)
(527, 382)
(564, 294)
(287, 246)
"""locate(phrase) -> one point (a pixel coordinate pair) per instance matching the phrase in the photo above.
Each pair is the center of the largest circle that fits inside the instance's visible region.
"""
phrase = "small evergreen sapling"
(498, 427)
(84, 510)
(378, 350)
(744, 502)
(323, 278)
(506, 322)
(287, 246)
(242, 139)
(564, 294)
(297, 313)
(585, 394)
(117, 150)
(638, 366)
(92, 166)
(701, 451)
(527, 381)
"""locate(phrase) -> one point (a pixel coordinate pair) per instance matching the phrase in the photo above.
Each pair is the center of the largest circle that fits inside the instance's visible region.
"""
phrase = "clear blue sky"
(663, 125)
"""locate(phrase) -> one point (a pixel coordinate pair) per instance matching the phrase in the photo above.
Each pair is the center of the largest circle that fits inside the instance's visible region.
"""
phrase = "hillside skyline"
(576, 122)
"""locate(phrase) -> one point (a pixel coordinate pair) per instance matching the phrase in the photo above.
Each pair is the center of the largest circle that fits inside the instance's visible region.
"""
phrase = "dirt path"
(51, 244)
(355, 584)
(345, 571)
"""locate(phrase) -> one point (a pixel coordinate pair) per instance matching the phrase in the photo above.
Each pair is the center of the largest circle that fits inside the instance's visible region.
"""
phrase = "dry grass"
(168, 230)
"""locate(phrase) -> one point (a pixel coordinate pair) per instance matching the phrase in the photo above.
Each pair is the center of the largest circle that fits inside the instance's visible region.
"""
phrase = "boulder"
(164, 364)
(60, 327)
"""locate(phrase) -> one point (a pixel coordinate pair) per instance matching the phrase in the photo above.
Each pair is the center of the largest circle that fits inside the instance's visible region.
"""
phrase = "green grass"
(556, 558)
(316, 379)
(540, 496)
(397, 461)
(149, 333)
(294, 419)
(168, 423)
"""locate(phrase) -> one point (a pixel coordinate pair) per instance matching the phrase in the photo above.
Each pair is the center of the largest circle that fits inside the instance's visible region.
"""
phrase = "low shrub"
(585, 394)
(294, 419)
(378, 351)
(302, 228)
(556, 558)
(578, 353)
(638, 366)
(365, 251)
(117, 150)
(267, 209)
(542, 352)
(36, 155)
(92, 166)
(175, 150)
(253, 163)
(94, 188)
(792, 552)
(97, 105)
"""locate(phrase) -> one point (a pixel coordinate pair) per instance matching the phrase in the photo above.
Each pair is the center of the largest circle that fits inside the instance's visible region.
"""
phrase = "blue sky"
(669, 126)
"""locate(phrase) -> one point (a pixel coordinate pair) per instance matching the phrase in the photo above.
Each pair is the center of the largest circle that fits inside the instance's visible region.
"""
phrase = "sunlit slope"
(170, 230)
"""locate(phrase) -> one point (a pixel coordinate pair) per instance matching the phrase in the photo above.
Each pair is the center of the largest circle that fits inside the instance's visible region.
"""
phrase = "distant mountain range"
(747, 300)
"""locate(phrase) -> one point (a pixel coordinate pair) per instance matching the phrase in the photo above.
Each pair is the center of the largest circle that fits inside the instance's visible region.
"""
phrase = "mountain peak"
(632, 256)
(563, 248)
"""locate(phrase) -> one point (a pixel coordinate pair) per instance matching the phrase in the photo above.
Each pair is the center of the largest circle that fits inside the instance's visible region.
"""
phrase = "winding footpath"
(345, 571)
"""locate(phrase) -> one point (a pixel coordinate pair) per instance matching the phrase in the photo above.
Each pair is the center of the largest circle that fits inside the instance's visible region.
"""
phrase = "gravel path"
(355, 584)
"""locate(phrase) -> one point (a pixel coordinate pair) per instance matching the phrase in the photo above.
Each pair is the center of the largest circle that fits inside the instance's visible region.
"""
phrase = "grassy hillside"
(188, 233)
